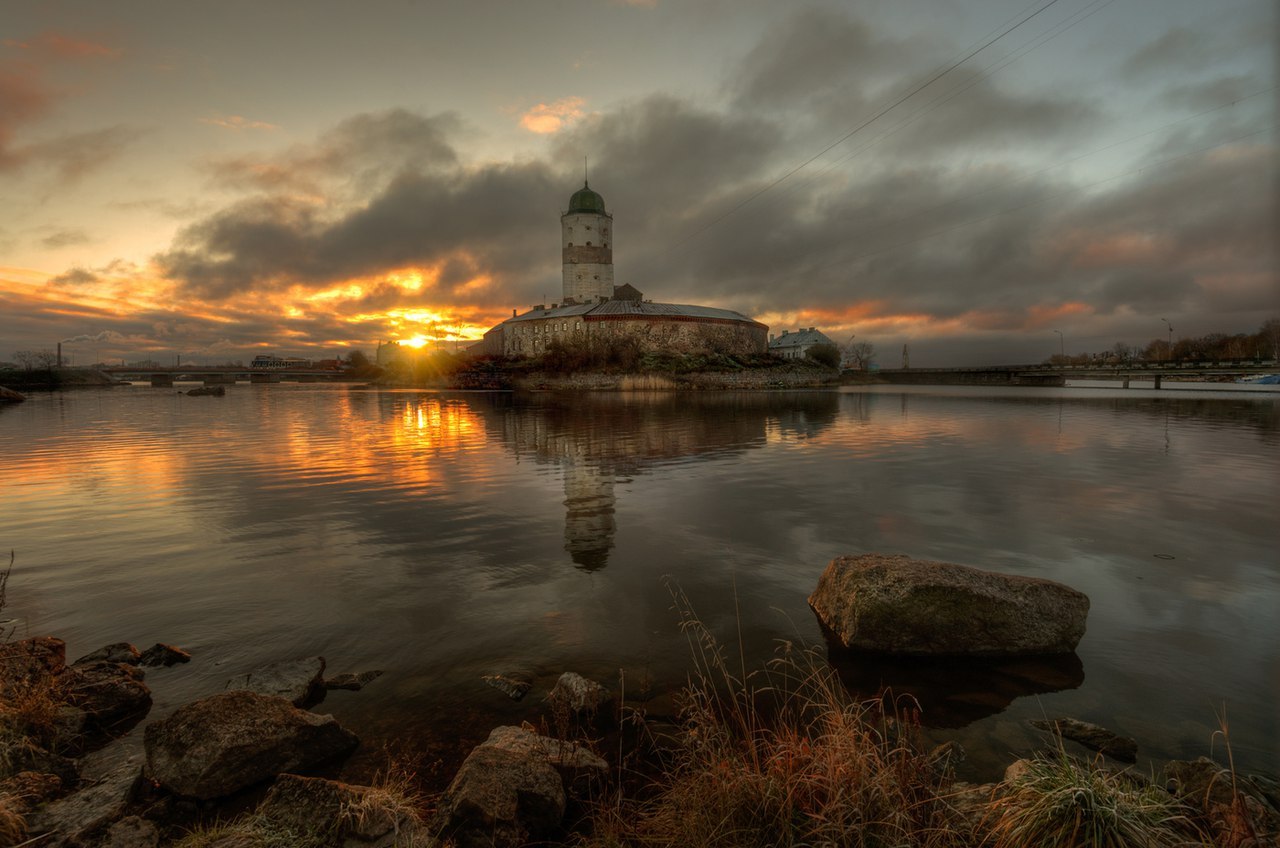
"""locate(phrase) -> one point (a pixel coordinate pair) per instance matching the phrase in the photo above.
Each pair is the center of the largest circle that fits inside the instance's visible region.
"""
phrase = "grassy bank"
(38, 379)
(607, 368)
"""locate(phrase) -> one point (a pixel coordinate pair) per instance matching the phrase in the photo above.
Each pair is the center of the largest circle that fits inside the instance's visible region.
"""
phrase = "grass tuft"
(1058, 800)
(782, 757)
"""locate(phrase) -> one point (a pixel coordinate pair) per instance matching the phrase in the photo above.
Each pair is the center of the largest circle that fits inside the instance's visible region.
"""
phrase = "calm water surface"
(443, 537)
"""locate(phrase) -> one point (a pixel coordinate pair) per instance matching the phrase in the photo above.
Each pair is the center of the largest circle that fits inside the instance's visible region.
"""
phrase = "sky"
(986, 181)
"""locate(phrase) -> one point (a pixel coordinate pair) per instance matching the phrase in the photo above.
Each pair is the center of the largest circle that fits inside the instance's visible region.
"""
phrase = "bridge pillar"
(1158, 380)
(162, 380)
(1126, 383)
(264, 377)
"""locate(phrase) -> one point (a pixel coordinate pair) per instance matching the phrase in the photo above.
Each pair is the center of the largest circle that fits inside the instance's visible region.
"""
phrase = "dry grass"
(1059, 800)
(782, 757)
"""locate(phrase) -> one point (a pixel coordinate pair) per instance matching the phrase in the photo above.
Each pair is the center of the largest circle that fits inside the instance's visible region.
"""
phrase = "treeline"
(1213, 347)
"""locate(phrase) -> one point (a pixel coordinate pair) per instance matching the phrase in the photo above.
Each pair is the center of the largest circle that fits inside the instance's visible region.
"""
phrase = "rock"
(32, 758)
(215, 746)
(161, 654)
(117, 652)
(1017, 770)
(899, 605)
(132, 832)
(28, 661)
(1224, 800)
(579, 695)
(337, 813)
(80, 815)
(509, 791)
(10, 396)
(207, 391)
(68, 728)
(112, 694)
(1092, 737)
(352, 682)
(514, 685)
(301, 682)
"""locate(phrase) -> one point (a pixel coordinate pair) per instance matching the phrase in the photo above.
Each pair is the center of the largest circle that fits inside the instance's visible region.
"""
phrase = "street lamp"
(1062, 345)
(1170, 326)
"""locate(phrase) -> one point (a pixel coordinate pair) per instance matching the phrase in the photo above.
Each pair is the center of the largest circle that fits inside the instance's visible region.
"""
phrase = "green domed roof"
(586, 200)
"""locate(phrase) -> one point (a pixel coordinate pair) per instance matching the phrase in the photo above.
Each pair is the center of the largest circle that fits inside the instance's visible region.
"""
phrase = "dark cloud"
(65, 238)
(814, 52)
(75, 277)
(362, 151)
(1176, 49)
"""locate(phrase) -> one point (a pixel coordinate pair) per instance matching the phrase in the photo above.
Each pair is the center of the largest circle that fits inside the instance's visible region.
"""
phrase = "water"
(443, 537)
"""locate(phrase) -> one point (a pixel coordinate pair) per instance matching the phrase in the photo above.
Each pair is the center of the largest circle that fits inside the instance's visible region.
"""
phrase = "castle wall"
(669, 334)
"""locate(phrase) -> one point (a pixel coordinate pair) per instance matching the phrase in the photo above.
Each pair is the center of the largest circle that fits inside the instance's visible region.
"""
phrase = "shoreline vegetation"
(782, 755)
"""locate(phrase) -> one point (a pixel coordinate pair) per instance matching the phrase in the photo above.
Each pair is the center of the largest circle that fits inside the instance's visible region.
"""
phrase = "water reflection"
(954, 692)
(599, 439)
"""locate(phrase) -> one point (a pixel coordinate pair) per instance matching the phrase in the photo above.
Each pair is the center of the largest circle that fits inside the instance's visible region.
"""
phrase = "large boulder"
(510, 790)
(330, 813)
(220, 744)
(900, 605)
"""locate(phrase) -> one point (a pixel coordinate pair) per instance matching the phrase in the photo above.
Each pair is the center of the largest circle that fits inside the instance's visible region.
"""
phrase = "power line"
(1079, 17)
(867, 122)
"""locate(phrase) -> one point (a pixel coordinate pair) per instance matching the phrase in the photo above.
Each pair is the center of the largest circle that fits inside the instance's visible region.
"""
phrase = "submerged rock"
(117, 652)
(579, 695)
(161, 654)
(352, 682)
(900, 605)
(209, 391)
(514, 685)
(300, 682)
(218, 745)
(1092, 737)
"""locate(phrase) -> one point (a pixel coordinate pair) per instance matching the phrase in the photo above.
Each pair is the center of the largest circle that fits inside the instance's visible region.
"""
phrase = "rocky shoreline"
(75, 769)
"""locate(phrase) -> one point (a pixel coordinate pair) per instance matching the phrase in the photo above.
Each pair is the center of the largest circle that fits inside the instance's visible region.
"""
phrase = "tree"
(824, 354)
(31, 359)
(860, 355)
(1123, 351)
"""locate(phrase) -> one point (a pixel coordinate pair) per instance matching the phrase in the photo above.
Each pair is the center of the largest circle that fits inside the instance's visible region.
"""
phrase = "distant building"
(594, 308)
(268, 362)
(797, 344)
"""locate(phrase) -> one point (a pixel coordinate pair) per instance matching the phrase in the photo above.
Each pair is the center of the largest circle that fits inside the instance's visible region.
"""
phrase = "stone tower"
(586, 240)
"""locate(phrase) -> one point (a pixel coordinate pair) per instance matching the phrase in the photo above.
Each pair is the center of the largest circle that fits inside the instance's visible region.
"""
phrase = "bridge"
(1057, 375)
(212, 375)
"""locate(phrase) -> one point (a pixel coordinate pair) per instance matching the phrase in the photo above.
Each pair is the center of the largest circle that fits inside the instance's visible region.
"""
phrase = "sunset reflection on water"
(443, 537)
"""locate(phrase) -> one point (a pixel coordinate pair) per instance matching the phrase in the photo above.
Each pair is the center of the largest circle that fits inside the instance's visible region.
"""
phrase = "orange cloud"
(65, 47)
(237, 122)
(547, 118)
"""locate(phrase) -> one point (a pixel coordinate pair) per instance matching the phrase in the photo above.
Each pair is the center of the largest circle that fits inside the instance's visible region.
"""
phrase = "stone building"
(797, 344)
(594, 308)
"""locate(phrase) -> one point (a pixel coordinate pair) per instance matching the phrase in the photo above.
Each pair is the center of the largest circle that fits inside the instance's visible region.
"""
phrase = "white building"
(586, 240)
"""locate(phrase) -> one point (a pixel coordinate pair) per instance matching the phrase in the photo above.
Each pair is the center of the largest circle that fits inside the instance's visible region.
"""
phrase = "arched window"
(570, 244)
(588, 244)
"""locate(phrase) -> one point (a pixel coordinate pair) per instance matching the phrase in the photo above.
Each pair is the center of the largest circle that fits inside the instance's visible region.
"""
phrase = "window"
(570, 244)
(588, 244)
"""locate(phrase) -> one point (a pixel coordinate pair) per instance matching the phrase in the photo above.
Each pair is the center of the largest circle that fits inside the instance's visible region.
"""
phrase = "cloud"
(65, 46)
(360, 154)
(237, 123)
(65, 238)
(548, 118)
(72, 156)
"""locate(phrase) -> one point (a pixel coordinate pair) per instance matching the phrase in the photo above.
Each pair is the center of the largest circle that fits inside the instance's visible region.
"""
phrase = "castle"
(593, 308)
